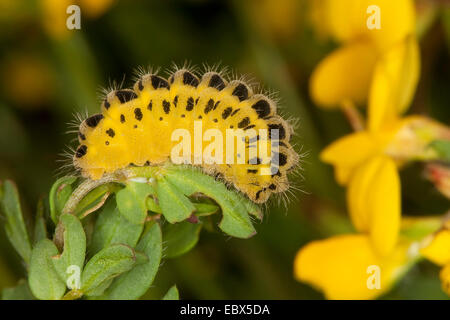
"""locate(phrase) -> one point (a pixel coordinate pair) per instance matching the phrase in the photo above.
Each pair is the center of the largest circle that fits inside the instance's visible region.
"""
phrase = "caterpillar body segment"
(135, 127)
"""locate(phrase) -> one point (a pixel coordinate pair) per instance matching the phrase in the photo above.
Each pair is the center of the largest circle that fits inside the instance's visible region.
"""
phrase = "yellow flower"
(403, 140)
(55, 15)
(95, 9)
(275, 19)
(367, 162)
(445, 278)
(27, 79)
(373, 193)
(374, 202)
(437, 250)
(346, 266)
(380, 66)
(346, 20)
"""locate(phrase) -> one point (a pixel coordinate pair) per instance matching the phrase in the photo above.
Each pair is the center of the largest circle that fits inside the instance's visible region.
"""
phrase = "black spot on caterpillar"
(209, 106)
(190, 104)
(244, 122)
(262, 108)
(166, 106)
(190, 79)
(94, 120)
(82, 136)
(110, 132)
(241, 91)
(158, 82)
(125, 95)
(217, 82)
(81, 151)
(138, 114)
(226, 112)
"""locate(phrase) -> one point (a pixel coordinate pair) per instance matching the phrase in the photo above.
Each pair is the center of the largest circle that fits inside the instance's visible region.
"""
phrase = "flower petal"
(445, 279)
(339, 266)
(342, 174)
(384, 205)
(398, 20)
(350, 150)
(348, 20)
(394, 83)
(438, 249)
(344, 75)
(358, 193)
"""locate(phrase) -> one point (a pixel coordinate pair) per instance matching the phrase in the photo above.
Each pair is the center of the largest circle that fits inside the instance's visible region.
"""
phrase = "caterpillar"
(135, 127)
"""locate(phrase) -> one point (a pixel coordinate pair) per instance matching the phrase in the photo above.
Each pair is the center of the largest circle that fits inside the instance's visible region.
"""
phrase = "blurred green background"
(48, 73)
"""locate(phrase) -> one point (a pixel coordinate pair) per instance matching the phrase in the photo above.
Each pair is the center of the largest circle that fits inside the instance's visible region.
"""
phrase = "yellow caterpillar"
(136, 126)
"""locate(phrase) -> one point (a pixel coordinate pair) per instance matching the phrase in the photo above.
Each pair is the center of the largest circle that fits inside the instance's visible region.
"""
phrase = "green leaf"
(235, 221)
(98, 291)
(442, 147)
(59, 194)
(112, 227)
(74, 246)
(172, 294)
(133, 284)
(417, 228)
(20, 292)
(252, 208)
(131, 201)
(40, 228)
(201, 209)
(95, 199)
(180, 237)
(43, 279)
(174, 204)
(106, 265)
(141, 258)
(14, 223)
(153, 206)
(205, 209)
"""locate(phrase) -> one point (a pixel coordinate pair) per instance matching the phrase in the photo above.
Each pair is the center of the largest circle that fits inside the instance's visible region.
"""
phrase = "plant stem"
(353, 116)
(119, 176)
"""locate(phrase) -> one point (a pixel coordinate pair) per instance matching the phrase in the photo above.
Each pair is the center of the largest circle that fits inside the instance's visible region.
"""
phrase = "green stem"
(119, 176)
(83, 189)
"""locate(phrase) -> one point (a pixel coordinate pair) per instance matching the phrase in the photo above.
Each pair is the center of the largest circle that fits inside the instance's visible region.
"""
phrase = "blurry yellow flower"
(278, 19)
(445, 278)
(374, 202)
(345, 74)
(55, 16)
(95, 8)
(437, 250)
(340, 266)
(346, 20)
(402, 140)
(394, 82)
(373, 193)
(368, 161)
(27, 80)
(380, 66)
